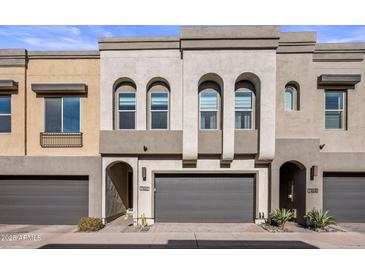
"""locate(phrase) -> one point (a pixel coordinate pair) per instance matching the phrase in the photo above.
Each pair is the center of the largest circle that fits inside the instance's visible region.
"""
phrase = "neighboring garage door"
(204, 198)
(43, 199)
(344, 196)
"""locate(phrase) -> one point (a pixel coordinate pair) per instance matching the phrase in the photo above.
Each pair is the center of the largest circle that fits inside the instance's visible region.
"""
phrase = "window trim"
(343, 110)
(117, 111)
(294, 92)
(252, 110)
(149, 118)
(9, 114)
(218, 110)
(56, 96)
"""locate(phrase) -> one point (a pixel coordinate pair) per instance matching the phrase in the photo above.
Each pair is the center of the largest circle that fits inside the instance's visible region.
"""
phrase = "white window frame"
(210, 90)
(150, 110)
(247, 110)
(8, 114)
(45, 113)
(118, 110)
(294, 98)
(343, 110)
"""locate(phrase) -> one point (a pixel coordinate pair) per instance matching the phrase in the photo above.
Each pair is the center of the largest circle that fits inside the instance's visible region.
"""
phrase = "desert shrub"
(88, 224)
(280, 217)
(319, 219)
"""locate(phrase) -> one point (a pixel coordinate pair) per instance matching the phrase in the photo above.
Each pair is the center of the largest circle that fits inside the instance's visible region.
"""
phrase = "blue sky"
(85, 37)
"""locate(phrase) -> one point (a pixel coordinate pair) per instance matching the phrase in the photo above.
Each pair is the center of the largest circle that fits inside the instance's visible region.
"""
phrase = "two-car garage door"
(43, 199)
(202, 198)
(344, 196)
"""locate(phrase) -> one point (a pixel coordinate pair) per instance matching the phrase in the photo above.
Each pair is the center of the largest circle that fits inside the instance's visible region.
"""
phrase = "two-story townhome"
(49, 131)
(218, 124)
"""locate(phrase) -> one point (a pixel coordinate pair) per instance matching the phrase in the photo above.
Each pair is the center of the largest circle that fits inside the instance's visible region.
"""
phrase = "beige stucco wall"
(13, 144)
(141, 66)
(309, 121)
(229, 65)
(64, 71)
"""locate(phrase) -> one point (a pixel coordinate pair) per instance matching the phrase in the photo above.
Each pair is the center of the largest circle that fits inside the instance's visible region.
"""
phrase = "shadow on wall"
(189, 244)
(118, 189)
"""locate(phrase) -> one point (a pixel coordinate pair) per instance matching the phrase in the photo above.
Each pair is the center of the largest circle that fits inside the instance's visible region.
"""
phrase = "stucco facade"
(286, 157)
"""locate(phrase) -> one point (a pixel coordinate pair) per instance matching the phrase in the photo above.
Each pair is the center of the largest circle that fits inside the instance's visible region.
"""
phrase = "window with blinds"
(335, 112)
(243, 110)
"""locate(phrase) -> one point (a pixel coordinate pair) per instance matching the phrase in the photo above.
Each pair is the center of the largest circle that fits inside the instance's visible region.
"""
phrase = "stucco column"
(141, 107)
(228, 121)
(267, 117)
(190, 120)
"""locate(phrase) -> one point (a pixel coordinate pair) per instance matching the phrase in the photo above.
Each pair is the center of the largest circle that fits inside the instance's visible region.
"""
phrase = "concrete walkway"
(66, 237)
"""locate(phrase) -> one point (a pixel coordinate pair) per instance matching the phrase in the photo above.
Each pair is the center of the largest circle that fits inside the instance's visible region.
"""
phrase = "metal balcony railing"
(48, 139)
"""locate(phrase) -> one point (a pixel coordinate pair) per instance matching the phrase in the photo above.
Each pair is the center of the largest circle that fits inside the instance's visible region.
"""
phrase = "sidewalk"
(181, 236)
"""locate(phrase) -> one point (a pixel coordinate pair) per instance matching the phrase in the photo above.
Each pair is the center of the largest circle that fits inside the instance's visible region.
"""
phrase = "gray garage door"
(344, 196)
(43, 199)
(204, 198)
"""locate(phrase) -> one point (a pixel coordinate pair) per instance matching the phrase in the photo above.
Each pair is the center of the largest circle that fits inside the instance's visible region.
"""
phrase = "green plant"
(280, 217)
(88, 224)
(319, 219)
(144, 222)
(128, 214)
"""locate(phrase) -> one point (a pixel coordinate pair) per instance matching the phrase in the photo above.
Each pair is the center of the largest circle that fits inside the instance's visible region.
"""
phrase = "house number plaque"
(312, 190)
(144, 188)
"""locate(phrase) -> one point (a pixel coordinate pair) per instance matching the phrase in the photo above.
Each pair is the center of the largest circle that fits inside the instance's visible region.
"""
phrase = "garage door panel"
(43, 199)
(204, 198)
(344, 196)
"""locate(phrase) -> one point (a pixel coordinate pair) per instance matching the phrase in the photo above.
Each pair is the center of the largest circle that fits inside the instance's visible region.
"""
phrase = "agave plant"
(280, 217)
(128, 214)
(320, 219)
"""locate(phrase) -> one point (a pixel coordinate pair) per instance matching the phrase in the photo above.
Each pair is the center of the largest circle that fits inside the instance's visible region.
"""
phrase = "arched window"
(245, 101)
(209, 105)
(125, 102)
(291, 98)
(158, 105)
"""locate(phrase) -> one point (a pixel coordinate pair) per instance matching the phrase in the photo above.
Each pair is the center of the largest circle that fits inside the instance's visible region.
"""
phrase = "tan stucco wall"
(13, 144)
(64, 71)
(309, 121)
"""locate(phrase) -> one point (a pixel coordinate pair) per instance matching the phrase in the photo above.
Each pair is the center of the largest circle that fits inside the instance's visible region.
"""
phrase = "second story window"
(244, 105)
(209, 102)
(5, 114)
(290, 98)
(125, 105)
(62, 114)
(159, 110)
(127, 110)
(335, 112)
(158, 105)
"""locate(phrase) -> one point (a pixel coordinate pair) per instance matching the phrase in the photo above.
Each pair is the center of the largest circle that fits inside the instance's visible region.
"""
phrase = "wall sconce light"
(314, 172)
(144, 173)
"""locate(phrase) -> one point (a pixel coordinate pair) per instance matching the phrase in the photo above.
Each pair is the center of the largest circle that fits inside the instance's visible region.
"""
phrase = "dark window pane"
(334, 100)
(5, 104)
(159, 120)
(208, 120)
(5, 124)
(159, 101)
(243, 119)
(127, 101)
(333, 119)
(53, 115)
(127, 120)
(71, 114)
